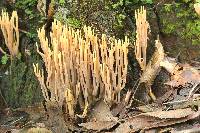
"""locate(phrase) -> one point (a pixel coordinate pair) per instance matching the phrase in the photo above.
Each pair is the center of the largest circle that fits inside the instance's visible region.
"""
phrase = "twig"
(143, 104)
(192, 91)
(13, 122)
(23, 31)
(17, 120)
(4, 52)
(3, 99)
(178, 55)
(174, 102)
(136, 83)
(29, 122)
(132, 97)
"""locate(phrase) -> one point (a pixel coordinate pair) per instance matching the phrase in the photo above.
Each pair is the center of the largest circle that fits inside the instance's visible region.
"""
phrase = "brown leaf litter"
(156, 119)
(182, 75)
(101, 118)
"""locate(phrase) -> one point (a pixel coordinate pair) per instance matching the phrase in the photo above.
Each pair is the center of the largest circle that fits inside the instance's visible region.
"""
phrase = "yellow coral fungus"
(9, 27)
(81, 68)
(141, 37)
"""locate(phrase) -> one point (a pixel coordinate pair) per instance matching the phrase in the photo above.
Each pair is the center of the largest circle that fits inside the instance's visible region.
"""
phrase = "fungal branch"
(57, 56)
(150, 70)
(80, 67)
(197, 8)
(141, 37)
(9, 28)
(114, 67)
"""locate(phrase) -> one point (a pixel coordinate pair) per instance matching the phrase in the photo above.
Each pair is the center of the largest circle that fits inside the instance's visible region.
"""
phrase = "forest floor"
(177, 111)
(176, 108)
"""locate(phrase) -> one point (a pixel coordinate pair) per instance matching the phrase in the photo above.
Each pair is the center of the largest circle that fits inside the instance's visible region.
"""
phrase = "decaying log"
(153, 68)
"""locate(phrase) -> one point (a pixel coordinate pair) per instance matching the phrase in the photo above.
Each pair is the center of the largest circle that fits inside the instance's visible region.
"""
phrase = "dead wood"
(153, 68)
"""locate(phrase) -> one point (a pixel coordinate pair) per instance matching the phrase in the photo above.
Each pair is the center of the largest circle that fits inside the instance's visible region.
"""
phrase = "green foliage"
(27, 6)
(169, 27)
(181, 20)
(119, 3)
(64, 16)
(61, 2)
(24, 4)
(130, 2)
(27, 10)
(70, 21)
(124, 10)
(4, 59)
(120, 19)
(32, 34)
(73, 22)
(18, 83)
(147, 1)
(168, 7)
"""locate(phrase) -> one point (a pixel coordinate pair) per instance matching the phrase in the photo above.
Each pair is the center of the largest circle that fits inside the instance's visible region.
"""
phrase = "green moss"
(19, 85)
(181, 20)
(11, 82)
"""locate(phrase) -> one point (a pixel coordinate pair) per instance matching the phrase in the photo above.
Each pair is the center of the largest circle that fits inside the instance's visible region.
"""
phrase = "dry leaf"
(136, 123)
(146, 122)
(183, 75)
(38, 130)
(98, 125)
(101, 118)
(179, 113)
(101, 112)
(118, 109)
(183, 78)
